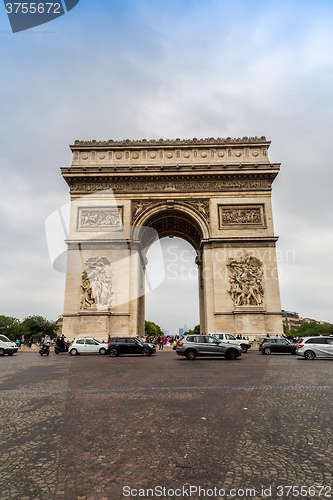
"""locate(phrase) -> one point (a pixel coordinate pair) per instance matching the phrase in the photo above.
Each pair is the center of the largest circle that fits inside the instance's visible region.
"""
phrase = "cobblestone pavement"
(84, 427)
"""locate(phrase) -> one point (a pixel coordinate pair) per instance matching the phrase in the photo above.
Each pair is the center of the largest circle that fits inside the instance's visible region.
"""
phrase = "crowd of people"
(161, 341)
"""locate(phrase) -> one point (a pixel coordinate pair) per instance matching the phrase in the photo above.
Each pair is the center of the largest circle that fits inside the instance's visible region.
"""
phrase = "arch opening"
(174, 304)
(169, 223)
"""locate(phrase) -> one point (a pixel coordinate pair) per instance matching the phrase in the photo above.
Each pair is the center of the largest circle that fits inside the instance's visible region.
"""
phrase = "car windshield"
(3, 338)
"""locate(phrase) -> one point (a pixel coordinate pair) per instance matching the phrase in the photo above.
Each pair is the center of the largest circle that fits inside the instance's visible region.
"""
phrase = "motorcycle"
(45, 346)
(61, 348)
(44, 349)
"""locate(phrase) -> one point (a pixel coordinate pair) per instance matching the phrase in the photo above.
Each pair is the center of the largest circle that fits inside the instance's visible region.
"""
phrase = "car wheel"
(102, 350)
(2, 352)
(231, 354)
(145, 352)
(267, 350)
(113, 352)
(244, 348)
(309, 355)
(191, 354)
(73, 352)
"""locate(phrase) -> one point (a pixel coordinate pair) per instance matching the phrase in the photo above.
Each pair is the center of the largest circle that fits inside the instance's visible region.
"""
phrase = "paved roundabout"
(88, 426)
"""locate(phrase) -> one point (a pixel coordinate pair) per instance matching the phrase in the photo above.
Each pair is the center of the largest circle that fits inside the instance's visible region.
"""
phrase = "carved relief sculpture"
(242, 216)
(246, 281)
(96, 284)
(99, 218)
(140, 206)
(245, 216)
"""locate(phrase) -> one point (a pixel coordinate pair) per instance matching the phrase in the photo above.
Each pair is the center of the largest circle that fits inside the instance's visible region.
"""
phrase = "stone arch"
(214, 193)
(177, 219)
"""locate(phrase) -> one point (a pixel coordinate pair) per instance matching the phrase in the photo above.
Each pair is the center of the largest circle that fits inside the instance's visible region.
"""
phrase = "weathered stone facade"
(215, 193)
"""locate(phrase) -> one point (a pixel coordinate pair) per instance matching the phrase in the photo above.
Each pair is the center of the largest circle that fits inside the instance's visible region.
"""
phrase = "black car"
(129, 345)
(277, 344)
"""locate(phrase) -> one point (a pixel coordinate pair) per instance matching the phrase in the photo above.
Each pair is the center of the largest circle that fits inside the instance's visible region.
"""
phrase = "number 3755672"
(33, 8)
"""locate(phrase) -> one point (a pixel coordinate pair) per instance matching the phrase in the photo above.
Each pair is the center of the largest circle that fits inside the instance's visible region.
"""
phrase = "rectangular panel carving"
(100, 218)
(241, 216)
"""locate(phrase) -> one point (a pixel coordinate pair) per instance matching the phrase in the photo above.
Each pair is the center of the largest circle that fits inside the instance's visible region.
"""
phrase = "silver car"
(315, 347)
(192, 346)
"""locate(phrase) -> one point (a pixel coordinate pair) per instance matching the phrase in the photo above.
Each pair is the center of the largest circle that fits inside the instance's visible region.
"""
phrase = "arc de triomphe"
(214, 193)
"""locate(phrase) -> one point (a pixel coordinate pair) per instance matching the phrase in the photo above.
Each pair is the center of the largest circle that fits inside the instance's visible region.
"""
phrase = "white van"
(7, 346)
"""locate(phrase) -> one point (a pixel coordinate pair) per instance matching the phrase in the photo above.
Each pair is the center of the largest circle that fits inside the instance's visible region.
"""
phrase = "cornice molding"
(209, 141)
(170, 183)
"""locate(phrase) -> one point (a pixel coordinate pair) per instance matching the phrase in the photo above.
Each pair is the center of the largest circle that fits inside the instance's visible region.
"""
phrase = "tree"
(12, 327)
(152, 330)
(314, 329)
(39, 326)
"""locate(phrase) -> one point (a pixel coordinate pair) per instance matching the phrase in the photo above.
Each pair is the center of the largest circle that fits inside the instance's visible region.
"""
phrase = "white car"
(7, 346)
(315, 347)
(87, 346)
(228, 338)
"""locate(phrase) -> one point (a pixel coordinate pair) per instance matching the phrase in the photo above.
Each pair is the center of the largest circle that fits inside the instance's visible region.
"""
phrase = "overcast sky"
(150, 69)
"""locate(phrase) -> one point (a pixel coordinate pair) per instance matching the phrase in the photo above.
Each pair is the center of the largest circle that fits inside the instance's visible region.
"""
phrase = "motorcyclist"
(45, 345)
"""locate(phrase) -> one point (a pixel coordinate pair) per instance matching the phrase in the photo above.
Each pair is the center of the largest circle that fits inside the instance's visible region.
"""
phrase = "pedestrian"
(18, 343)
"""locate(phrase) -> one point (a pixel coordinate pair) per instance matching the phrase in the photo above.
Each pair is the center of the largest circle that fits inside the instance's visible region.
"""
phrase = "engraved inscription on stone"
(241, 215)
(246, 281)
(100, 218)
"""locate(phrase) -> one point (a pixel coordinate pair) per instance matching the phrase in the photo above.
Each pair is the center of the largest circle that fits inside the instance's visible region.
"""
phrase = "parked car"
(315, 347)
(7, 346)
(192, 346)
(228, 338)
(87, 346)
(277, 344)
(129, 345)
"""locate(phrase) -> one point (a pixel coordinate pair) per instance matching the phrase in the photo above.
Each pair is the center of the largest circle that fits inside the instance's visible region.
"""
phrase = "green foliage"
(285, 330)
(12, 327)
(152, 330)
(39, 326)
(195, 331)
(314, 329)
(32, 326)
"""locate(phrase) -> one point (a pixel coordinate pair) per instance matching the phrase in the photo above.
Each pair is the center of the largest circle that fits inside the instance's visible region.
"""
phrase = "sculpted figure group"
(96, 284)
(246, 281)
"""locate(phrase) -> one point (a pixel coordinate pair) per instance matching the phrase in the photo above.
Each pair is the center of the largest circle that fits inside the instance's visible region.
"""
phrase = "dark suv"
(277, 344)
(129, 345)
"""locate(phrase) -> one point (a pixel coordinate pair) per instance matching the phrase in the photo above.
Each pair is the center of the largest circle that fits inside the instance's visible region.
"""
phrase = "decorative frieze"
(241, 216)
(154, 156)
(163, 185)
(99, 219)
